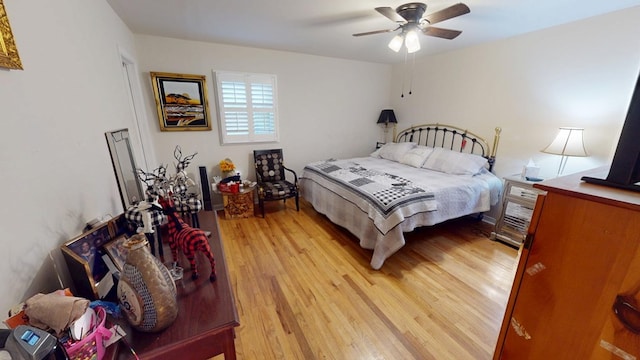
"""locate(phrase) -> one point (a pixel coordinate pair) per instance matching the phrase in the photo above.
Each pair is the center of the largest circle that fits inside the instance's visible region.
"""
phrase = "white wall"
(327, 107)
(56, 170)
(580, 74)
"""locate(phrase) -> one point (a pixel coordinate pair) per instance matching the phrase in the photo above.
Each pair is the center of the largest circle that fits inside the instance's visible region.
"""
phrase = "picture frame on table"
(84, 258)
(9, 57)
(181, 101)
(117, 252)
(86, 248)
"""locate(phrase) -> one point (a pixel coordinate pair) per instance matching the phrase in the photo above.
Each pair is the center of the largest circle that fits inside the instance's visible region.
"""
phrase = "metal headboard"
(452, 138)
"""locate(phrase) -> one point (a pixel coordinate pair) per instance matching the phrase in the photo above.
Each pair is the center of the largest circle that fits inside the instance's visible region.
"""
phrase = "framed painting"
(9, 57)
(181, 101)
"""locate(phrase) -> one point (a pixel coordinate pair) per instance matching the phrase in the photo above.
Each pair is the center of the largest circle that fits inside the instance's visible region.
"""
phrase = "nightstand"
(518, 202)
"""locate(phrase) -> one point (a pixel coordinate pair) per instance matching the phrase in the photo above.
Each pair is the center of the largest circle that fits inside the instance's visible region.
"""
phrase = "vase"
(146, 290)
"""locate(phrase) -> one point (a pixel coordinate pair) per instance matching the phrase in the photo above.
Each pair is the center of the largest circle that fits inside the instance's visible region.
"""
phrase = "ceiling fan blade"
(390, 14)
(374, 32)
(448, 13)
(441, 33)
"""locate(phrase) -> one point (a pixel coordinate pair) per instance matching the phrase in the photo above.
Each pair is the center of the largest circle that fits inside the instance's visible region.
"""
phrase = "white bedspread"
(353, 199)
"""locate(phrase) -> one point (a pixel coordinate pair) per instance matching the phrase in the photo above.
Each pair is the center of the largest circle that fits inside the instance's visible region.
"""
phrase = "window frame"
(248, 79)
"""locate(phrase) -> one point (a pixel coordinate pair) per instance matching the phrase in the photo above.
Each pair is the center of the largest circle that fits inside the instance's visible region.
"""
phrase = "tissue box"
(530, 172)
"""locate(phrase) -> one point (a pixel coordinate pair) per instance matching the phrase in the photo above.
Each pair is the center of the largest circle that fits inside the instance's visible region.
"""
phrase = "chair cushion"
(269, 166)
(276, 189)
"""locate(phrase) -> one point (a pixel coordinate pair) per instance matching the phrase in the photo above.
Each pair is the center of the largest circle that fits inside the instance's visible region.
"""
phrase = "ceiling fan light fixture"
(412, 42)
(411, 19)
(396, 43)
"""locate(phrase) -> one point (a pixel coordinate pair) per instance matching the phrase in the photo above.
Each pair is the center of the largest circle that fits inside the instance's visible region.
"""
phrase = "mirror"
(124, 166)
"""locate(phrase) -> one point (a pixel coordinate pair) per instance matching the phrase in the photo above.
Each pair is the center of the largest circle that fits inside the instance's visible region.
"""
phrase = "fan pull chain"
(404, 73)
(413, 65)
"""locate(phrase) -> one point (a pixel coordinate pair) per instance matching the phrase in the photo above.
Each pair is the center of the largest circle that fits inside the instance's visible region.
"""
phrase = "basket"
(92, 346)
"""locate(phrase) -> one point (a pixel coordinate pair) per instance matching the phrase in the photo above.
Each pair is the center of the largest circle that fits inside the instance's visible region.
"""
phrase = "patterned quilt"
(386, 198)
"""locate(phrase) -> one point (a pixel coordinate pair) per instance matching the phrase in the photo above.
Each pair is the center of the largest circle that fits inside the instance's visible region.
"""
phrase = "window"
(247, 107)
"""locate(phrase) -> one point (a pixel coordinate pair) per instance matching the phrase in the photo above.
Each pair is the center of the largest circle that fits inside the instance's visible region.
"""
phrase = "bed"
(430, 173)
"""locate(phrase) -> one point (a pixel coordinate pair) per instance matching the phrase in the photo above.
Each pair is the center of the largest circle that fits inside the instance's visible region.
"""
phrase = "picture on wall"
(9, 57)
(181, 101)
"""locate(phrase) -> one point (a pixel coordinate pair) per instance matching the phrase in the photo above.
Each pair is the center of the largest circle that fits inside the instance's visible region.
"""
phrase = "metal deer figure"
(158, 184)
(149, 204)
(181, 179)
(186, 199)
(188, 239)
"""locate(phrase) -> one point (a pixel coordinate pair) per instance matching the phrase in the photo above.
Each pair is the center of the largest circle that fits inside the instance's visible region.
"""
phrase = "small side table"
(518, 202)
(240, 204)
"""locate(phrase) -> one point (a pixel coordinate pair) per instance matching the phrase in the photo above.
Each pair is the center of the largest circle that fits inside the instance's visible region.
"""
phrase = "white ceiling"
(325, 27)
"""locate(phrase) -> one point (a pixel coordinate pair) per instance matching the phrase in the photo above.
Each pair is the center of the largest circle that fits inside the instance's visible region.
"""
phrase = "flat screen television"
(624, 172)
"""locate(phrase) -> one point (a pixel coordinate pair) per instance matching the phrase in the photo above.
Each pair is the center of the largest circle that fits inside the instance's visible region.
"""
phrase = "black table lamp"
(387, 116)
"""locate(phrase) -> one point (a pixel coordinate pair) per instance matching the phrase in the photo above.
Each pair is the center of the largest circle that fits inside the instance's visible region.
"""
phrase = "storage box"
(229, 187)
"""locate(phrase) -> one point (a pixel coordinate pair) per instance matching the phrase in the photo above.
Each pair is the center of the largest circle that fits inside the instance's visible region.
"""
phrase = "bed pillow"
(454, 162)
(394, 151)
(416, 156)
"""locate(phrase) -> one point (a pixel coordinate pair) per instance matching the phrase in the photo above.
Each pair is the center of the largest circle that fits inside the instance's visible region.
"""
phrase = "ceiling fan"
(410, 20)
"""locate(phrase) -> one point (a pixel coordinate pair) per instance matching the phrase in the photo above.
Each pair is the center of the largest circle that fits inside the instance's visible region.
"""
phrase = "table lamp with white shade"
(568, 142)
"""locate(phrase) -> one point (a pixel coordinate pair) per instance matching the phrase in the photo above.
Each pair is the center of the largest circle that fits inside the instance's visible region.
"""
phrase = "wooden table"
(239, 204)
(207, 313)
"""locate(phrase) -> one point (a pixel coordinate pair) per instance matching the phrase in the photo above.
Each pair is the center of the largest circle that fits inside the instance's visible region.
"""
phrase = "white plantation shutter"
(247, 107)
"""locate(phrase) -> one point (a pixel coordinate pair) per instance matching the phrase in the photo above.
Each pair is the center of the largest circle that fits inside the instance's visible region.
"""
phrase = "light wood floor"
(304, 290)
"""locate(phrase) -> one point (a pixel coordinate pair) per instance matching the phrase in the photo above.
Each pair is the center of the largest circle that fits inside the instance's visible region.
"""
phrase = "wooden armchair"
(271, 178)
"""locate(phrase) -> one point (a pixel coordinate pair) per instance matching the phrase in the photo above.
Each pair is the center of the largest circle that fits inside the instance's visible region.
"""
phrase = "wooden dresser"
(207, 313)
(580, 260)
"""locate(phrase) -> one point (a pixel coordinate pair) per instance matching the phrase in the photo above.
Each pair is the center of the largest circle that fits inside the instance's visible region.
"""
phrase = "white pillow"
(395, 151)
(454, 162)
(416, 156)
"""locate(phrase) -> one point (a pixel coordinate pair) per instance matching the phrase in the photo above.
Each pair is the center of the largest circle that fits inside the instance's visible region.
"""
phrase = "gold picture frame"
(181, 101)
(83, 256)
(9, 57)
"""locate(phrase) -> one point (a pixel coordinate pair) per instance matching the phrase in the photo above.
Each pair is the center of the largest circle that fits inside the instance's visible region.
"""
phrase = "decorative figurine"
(185, 202)
(188, 239)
